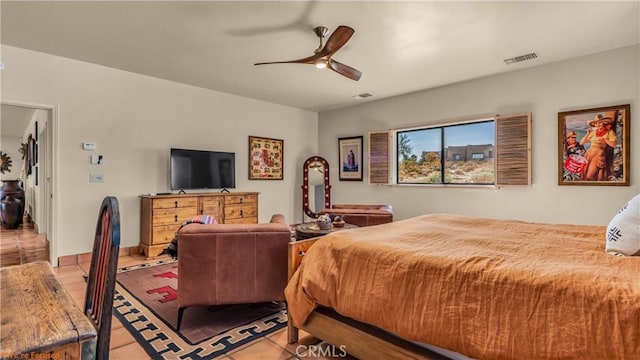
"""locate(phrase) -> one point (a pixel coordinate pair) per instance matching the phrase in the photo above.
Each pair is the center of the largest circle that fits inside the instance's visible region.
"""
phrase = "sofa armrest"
(226, 229)
(362, 215)
(278, 219)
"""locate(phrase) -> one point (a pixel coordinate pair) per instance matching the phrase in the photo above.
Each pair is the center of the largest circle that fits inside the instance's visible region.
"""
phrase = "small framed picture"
(266, 158)
(30, 162)
(350, 158)
(593, 146)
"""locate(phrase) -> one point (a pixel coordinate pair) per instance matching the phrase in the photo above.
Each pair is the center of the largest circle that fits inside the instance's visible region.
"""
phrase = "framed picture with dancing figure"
(266, 158)
(350, 158)
(593, 146)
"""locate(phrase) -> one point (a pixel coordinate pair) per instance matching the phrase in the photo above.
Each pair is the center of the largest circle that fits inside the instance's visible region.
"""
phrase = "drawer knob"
(175, 218)
(176, 203)
(241, 213)
(241, 200)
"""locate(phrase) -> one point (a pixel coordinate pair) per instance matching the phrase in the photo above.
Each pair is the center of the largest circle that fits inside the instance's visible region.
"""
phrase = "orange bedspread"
(488, 289)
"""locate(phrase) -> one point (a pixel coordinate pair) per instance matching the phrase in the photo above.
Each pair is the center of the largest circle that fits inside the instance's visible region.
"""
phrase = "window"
(466, 148)
(489, 151)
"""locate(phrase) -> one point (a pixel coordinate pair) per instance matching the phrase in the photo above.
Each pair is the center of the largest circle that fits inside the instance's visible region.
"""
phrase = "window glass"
(469, 152)
(419, 160)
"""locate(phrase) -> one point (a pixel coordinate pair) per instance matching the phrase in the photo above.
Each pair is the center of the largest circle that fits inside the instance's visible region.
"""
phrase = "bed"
(482, 288)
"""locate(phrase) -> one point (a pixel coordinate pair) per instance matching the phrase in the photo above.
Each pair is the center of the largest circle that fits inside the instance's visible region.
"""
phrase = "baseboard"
(86, 257)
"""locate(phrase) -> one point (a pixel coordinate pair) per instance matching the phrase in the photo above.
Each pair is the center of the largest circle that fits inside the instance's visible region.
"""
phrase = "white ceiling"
(400, 47)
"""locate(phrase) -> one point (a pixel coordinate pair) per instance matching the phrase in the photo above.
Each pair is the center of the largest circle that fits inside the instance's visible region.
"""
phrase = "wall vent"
(362, 96)
(520, 58)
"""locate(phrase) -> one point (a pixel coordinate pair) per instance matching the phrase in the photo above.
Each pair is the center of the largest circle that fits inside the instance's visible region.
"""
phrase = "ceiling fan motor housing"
(321, 31)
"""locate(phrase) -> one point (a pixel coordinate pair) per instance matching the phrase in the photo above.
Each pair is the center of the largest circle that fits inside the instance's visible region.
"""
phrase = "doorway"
(39, 181)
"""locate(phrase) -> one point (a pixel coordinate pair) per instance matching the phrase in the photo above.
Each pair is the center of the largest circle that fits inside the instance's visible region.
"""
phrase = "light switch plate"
(97, 159)
(88, 146)
(96, 178)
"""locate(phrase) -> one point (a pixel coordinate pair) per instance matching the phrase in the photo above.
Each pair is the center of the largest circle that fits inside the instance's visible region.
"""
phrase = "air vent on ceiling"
(521, 58)
(362, 96)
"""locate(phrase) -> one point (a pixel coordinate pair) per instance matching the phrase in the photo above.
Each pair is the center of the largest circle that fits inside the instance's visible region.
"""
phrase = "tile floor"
(124, 346)
(22, 245)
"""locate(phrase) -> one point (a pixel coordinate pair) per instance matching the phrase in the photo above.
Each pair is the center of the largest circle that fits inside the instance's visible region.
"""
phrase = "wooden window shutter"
(379, 150)
(513, 150)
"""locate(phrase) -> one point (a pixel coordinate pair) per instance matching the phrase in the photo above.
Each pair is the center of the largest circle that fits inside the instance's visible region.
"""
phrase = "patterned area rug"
(146, 304)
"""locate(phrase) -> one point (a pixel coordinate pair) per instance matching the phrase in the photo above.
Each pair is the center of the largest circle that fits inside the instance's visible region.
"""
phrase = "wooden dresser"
(162, 215)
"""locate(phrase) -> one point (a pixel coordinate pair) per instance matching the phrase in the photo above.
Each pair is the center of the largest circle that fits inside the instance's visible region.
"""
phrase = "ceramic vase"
(11, 204)
(324, 222)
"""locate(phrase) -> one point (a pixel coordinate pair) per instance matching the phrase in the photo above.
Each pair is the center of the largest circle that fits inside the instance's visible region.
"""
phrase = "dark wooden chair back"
(101, 284)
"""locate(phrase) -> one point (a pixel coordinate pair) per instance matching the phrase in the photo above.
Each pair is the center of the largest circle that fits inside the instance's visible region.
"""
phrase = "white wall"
(134, 120)
(609, 78)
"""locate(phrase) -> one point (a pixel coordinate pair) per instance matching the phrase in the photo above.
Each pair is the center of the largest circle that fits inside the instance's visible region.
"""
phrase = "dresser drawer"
(239, 211)
(241, 199)
(212, 206)
(163, 234)
(173, 203)
(173, 216)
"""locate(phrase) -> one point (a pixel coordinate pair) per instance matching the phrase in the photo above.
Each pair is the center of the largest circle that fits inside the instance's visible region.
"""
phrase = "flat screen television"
(198, 169)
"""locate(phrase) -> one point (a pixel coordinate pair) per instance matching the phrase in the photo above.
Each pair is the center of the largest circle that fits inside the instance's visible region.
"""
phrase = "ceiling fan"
(323, 55)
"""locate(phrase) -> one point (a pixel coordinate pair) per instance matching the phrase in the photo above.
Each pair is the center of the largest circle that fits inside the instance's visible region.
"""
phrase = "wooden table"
(39, 319)
(310, 230)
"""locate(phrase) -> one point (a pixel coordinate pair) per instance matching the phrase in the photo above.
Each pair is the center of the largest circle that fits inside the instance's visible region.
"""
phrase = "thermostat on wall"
(88, 146)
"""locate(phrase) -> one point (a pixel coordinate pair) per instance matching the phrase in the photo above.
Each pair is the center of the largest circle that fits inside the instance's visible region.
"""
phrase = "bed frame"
(361, 340)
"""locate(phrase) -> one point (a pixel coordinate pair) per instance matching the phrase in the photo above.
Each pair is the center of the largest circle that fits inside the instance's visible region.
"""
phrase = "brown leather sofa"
(232, 263)
(362, 215)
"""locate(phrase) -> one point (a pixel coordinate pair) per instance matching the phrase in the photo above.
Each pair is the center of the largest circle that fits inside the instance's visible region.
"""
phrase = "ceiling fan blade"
(337, 40)
(308, 60)
(345, 70)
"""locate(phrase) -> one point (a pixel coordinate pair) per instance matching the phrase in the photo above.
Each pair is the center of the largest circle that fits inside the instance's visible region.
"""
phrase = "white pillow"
(623, 232)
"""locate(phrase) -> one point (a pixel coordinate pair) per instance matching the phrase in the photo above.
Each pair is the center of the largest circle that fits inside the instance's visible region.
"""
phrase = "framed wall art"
(350, 158)
(266, 158)
(30, 161)
(593, 146)
(5, 162)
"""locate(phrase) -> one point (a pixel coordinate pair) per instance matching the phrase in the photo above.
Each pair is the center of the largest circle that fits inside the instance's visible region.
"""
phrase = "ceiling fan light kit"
(320, 64)
(322, 57)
